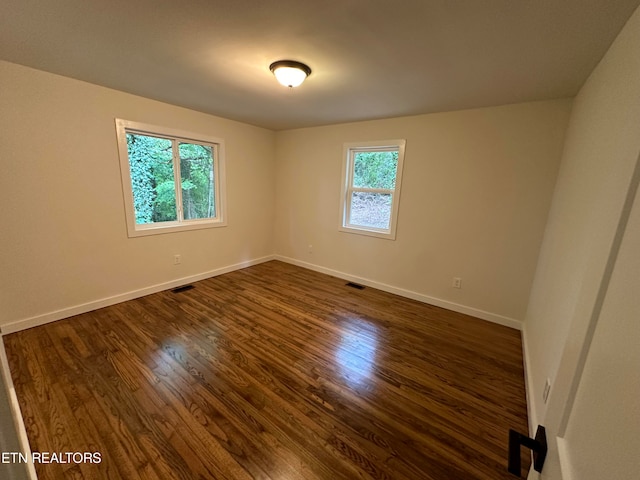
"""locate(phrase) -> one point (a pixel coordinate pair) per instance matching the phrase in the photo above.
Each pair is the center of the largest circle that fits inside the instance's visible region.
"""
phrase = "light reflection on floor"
(356, 353)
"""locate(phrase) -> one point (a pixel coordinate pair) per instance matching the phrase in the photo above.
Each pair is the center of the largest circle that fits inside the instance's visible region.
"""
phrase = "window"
(172, 180)
(372, 174)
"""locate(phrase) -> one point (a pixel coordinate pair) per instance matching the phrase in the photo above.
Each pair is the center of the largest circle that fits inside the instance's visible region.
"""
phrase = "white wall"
(603, 433)
(476, 192)
(477, 187)
(63, 240)
(603, 141)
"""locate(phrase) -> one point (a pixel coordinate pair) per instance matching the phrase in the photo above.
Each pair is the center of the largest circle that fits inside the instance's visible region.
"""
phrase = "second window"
(372, 174)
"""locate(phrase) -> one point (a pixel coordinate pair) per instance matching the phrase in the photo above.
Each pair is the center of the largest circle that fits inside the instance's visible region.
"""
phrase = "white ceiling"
(370, 58)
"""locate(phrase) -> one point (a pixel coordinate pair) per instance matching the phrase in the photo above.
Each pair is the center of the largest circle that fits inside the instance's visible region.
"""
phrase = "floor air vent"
(183, 288)
(355, 285)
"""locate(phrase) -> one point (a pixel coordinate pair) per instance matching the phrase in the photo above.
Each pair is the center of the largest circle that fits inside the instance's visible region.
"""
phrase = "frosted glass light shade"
(290, 73)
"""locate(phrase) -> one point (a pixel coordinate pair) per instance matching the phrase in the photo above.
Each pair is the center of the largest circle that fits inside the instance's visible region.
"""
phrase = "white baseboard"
(528, 385)
(484, 315)
(14, 406)
(123, 297)
(563, 458)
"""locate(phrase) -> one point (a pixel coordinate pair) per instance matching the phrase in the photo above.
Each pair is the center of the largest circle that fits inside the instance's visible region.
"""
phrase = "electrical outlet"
(177, 259)
(310, 249)
(547, 389)
(457, 282)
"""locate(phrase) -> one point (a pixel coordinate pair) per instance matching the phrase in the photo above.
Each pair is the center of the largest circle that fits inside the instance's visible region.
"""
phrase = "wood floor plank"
(272, 372)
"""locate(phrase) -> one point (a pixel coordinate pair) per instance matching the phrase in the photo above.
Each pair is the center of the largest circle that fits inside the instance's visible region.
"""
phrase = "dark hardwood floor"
(272, 372)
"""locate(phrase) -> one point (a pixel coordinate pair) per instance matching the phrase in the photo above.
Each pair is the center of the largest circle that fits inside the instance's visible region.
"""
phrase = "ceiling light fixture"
(289, 72)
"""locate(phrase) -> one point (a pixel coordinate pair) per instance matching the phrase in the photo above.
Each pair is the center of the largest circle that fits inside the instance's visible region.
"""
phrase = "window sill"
(369, 232)
(171, 227)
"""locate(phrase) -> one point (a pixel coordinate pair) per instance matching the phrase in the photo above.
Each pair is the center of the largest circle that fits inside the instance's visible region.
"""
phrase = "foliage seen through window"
(152, 168)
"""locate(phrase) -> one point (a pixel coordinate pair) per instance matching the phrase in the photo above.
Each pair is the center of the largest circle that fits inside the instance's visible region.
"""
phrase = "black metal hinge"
(538, 445)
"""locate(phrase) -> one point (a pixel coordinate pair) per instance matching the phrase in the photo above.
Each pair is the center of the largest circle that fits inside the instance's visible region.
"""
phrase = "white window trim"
(136, 230)
(347, 187)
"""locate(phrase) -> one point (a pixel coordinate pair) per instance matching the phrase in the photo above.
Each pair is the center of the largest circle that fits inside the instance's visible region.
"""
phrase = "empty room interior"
(416, 258)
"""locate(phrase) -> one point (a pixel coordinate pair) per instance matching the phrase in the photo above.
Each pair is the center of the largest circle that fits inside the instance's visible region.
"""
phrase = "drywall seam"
(482, 314)
(23, 324)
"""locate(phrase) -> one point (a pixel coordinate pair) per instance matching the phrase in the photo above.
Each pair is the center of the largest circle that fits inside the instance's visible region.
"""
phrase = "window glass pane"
(375, 169)
(196, 170)
(152, 178)
(370, 209)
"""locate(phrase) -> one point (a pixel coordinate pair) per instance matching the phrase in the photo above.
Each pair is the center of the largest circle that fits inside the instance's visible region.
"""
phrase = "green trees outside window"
(153, 179)
(375, 169)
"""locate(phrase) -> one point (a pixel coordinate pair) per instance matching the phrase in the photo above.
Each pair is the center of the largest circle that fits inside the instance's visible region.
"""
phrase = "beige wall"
(476, 192)
(63, 240)
(603, 433)
(603, 141)
(477, 186)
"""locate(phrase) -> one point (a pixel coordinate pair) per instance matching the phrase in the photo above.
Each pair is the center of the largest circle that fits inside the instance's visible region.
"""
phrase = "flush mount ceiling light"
(289, 72)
